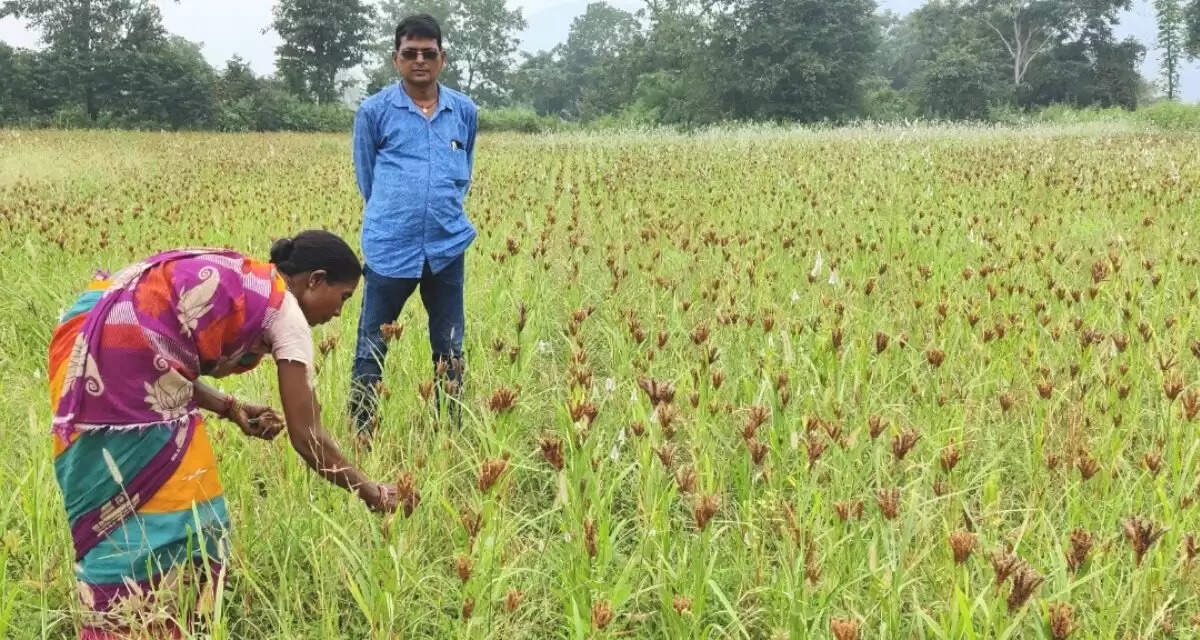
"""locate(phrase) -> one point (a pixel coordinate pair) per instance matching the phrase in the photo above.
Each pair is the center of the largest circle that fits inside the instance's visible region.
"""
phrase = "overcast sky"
(228, 27)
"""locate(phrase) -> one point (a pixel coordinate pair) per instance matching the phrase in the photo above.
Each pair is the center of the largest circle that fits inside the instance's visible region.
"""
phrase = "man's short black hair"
(419, 26)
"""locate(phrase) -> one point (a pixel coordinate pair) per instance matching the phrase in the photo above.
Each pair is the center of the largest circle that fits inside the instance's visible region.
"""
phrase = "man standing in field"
(414, 151)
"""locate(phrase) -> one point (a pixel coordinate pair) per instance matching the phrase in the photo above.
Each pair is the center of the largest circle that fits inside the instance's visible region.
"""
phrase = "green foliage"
(1172, 116)
(320, 38)
(593, 73)
(1171, 39)
(1191, 19)
(801, 60)
(956, 85)
(517, 119)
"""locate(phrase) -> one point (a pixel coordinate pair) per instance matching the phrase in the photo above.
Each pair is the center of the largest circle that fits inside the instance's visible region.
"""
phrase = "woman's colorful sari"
(132, 456)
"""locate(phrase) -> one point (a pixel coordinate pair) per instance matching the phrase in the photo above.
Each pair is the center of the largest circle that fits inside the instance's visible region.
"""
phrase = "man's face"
(419, 60)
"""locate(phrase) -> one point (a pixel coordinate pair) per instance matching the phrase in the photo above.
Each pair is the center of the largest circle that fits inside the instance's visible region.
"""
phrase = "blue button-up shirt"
(414, 173)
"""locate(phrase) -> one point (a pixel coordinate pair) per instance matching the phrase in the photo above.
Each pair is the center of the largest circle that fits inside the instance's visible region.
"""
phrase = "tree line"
(689, 62)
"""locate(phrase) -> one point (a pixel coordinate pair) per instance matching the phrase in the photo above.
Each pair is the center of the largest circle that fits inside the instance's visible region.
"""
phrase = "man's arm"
(365, 148)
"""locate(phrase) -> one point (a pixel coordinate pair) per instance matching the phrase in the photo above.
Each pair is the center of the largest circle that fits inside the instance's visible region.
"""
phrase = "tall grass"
(881, 301)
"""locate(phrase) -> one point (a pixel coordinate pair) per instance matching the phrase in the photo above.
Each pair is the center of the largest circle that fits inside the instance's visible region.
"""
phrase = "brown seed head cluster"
(962, 543)
(513, 600)
(681, 604)
(1141, 535)
(949, 458)
(552, 451)
(889, 502)
(659, 391)
(464, 565)
(705, 508)
(1062, 621)
(602, 614)
(1081, 546)
(490, 473)
(903, 442)
(1024, 582)
(406, 490)
(502, 399)
(844, 629)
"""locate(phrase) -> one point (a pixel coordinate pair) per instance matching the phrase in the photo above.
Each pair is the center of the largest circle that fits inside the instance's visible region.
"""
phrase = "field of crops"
(936, 383)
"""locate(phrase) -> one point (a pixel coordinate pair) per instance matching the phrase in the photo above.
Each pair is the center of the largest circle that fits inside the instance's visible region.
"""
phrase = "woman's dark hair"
(316, 250)
(419, 26)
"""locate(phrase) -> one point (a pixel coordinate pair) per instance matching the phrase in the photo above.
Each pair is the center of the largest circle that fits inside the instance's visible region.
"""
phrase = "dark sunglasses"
(424, 54)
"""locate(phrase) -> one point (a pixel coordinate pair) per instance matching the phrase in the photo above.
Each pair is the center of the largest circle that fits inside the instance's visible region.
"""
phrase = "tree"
(955, 84)
(681, 78)
(17, 69)
(1170, 42)
(1191, 18)
(320, 38)
(170, 86)
(1028, 29)
(481, 44)
(89, 40)
(802, 59)
(591, 74)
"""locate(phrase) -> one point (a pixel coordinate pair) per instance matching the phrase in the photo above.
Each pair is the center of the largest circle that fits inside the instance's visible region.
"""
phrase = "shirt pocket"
(453, 157)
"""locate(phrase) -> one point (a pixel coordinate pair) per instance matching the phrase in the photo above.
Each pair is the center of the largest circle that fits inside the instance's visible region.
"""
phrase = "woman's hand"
(380, 498)
(256, 421)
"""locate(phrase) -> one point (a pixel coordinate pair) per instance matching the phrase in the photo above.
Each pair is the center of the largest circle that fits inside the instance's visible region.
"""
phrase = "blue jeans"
(383, 300)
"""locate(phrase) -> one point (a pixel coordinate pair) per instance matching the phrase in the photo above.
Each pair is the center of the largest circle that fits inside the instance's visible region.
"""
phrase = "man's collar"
(401, 99)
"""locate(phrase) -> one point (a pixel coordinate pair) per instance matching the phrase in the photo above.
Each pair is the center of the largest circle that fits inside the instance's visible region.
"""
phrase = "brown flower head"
(1190, 548)
(472, 523)
(1062, 621)
(1005, 565)
(758, 451)
(681, 604)
(962, 543)
(406, 490)
(950, 457)
(490, 473)
(844, 629)
(889, 502)
(602, 614)
(513, 600)
(464, 565)
(903, 442)
(686, 479)
(705, 508)
(552, 451)
(1081, 546)
(589, 536)
(1141, 535)
(502, 399)
(666, 454)
(1024, 583)
(1087, 465)
(935, 356)
(876, 426)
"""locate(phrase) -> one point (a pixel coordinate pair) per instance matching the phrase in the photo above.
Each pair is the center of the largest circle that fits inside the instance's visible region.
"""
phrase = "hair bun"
(282, 250)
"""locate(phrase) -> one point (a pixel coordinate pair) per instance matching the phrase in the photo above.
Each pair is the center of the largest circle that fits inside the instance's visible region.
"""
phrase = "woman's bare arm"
(313, 443)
